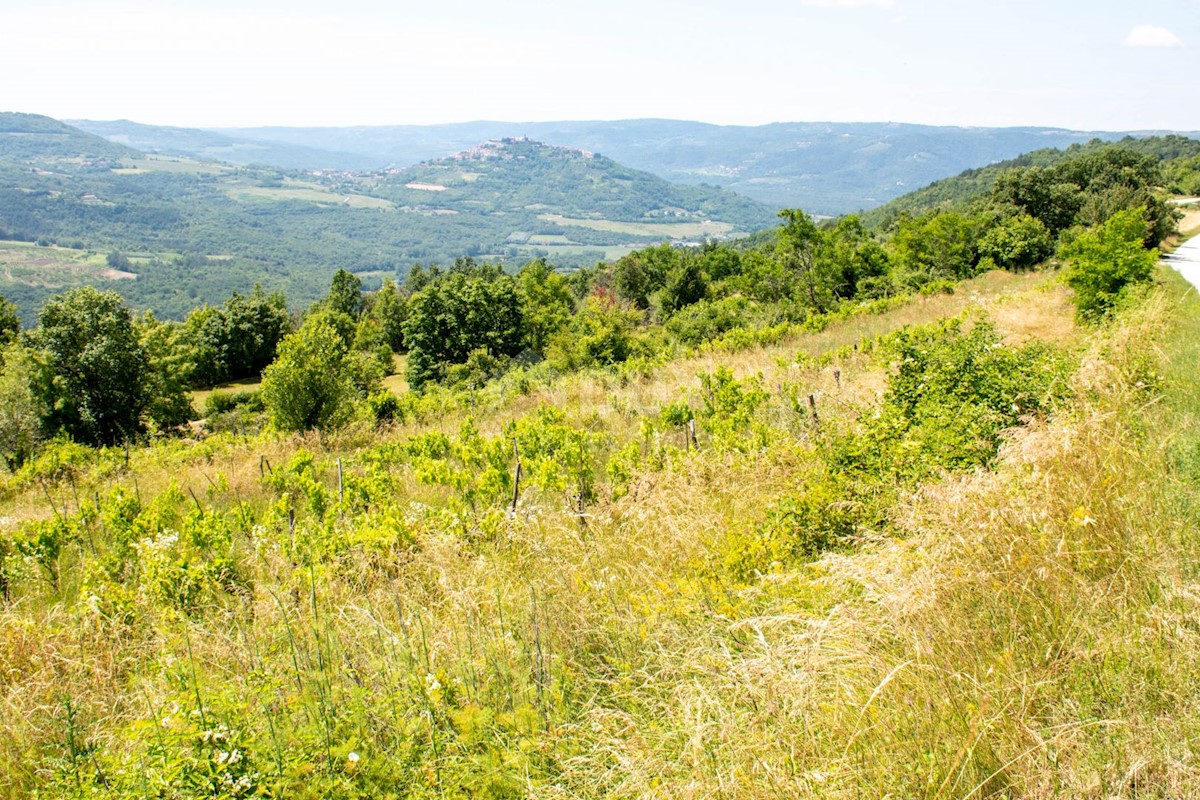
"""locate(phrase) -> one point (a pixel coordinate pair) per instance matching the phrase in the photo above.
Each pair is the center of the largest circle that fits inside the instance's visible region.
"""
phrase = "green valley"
(198, 230)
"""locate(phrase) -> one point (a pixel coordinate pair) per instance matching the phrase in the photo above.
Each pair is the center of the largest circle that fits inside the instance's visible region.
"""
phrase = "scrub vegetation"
(841, 512)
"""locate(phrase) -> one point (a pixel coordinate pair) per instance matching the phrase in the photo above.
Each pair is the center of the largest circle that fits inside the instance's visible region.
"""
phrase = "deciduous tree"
(308, 387)
(93, 386)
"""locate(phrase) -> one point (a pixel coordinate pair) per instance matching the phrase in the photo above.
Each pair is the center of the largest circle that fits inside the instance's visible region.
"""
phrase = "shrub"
(1105, 261)
(308, 386)
(223, 402)
(953, 392)
(798, 527)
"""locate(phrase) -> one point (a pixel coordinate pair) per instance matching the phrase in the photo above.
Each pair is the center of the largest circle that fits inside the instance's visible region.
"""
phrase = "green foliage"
(167, 369)
(308, 386)
(341, 322)
(729, 413)
(934, 246)
(389, 310)
(1049, 185)
(643, 272)
(455, 315)
(384, 407)
(686, 284)
(10, 323)
(222, 402)
(720, 262)
(600, 334)
(370, 341)
(546, 303)
(797, 252)
(855, 261)
(1042, 194)
(953, 393)
(798, 527)
(93, 385)
(479, 368)
(20, 417)
(1107, 261)
(237, 340)
(345, 294)
(708, 319)
(366, 370)
(1017, 243)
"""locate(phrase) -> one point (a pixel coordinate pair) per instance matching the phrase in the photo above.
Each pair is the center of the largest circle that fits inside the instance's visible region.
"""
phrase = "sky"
(1083, 64)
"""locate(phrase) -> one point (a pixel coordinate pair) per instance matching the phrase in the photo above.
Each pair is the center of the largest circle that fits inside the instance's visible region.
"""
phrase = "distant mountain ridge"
(211, 145)
(823, 167)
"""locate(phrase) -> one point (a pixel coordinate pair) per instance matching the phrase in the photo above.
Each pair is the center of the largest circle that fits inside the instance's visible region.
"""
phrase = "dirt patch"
(1191, 221)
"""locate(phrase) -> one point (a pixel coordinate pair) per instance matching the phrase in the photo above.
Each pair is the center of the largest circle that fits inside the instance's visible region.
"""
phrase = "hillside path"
(1186, 260)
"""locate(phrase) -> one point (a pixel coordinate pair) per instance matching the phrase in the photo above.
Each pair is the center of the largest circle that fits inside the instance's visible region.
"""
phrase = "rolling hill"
(191, 231)
(822, 167)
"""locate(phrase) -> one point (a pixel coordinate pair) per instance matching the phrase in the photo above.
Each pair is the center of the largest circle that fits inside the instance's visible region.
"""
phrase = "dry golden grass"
(1021, 632)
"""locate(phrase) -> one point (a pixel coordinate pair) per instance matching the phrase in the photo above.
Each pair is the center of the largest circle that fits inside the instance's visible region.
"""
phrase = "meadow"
(701, 583)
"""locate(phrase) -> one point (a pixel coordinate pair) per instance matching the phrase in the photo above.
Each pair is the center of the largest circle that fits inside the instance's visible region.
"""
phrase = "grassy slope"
(1031, 633)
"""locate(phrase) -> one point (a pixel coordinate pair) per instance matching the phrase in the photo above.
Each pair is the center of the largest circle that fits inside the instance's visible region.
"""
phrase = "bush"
(953, 393)
(384, 407)
(1106, 261)
(220, 402)
(1017, 243)
(706, 320)
(798, 527)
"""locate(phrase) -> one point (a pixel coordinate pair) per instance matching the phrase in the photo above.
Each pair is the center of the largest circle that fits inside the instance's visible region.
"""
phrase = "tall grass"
(1027, 630)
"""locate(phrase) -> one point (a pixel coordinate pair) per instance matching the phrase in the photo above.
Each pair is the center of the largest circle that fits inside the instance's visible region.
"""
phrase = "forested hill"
(32, 137)
(1178, 158)
(172, 233)
(517, 176)
(822, 167)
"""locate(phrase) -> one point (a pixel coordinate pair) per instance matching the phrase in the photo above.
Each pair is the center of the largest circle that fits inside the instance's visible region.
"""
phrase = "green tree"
(370, 343)
(308, 386)
(389, 310)
(10, 323)
(546, 302)
(600, 334)
(852, 257)
(1017, 243)
(1043, 194)
(798, 251)
(643, 272)
(20, 426)
(720, 262)
(455, 315)
(94, 385)
(238, 339)
(168, 368)
(934, 246)
(686, 284)
(1106, 261)
(345, 294)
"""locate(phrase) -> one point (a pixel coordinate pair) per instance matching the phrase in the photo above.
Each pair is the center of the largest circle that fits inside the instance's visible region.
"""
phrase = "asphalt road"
(1187, 260)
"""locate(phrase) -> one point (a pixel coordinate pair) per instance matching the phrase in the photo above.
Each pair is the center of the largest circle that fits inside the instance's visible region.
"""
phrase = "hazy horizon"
(256, 63)
(585, 121)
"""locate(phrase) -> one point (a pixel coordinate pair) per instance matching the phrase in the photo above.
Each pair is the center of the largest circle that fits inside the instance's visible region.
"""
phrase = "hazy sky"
(1090, 64)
